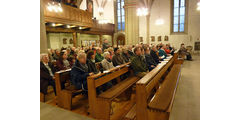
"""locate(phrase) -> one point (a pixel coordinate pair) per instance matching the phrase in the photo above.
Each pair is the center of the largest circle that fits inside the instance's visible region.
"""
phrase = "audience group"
(82, 61)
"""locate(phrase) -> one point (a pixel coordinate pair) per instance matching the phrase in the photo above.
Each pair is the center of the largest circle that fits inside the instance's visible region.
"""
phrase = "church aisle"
(49, 112)
(187, 100)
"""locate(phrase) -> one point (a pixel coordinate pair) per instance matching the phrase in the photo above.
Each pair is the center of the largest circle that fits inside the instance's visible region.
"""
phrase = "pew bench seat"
(163, 99)
(119, 88)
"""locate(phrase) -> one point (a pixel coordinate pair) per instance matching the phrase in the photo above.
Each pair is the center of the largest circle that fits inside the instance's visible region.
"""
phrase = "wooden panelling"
(69, 15)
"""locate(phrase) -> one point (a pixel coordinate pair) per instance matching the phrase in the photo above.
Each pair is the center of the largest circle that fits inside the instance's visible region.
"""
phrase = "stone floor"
(49, 112)
(187, 100)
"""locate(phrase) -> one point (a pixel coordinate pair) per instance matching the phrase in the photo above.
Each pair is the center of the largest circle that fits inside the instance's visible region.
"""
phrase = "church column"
(43, 37)
(148, 32)
(74, 34)
(132, 22)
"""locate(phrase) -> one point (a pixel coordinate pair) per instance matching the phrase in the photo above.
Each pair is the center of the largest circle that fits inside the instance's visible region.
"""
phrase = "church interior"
(120, 59)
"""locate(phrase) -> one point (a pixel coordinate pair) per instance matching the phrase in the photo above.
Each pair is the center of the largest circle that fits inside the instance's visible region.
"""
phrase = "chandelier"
(142, 11)
(54, 6)
(198, 6)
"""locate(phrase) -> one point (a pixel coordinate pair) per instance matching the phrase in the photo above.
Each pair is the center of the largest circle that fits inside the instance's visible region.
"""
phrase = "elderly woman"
(46, 74)
(107, 62)
(63, 63)
(79, 72)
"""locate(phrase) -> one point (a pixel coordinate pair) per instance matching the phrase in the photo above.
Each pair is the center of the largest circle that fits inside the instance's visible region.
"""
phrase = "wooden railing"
(69, 15)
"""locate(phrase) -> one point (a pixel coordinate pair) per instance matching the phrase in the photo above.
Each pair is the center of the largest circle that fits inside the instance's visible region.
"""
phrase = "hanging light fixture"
(159, 21)
(198, 6)
(54, 6)
(142, 11)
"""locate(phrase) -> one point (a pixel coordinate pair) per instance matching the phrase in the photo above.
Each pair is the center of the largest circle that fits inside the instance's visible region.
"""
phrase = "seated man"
(154, 55)
(125, 55)
(149, 60)
(139, 66)
(99, 57)
(183, 51)
(79, 72)
(46, 74)
(130, 51)
(117, 58)
(107, 62)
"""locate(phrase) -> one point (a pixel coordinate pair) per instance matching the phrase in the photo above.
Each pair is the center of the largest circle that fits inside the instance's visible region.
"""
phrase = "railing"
(69, 15)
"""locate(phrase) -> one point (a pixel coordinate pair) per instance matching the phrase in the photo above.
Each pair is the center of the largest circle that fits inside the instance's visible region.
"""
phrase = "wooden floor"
(120, 106)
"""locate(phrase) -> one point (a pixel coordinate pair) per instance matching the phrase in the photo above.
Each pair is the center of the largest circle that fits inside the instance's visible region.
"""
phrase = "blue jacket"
(79, 76)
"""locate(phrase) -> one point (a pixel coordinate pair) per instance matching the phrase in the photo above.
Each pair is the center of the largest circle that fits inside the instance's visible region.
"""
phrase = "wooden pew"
(64, 96)
(100, 105)
(146, 87)
(160, 106)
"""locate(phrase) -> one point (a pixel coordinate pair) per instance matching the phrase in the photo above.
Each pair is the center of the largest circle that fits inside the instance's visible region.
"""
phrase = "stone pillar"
(43, 36)
(132, 22)
(148, 32)
(74, 34)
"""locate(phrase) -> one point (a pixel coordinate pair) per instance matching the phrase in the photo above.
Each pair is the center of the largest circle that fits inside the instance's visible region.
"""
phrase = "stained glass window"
(179, 10)
(120, 15)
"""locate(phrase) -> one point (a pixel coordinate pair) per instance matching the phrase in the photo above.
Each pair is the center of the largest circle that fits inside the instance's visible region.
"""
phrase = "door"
(121, 40)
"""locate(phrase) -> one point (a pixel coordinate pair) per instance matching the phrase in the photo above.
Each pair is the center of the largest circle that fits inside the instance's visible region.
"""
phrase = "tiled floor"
(187, 100)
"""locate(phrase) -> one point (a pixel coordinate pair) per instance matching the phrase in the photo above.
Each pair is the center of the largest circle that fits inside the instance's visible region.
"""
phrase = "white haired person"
(107, 62)
(79, 72)
(46, 74)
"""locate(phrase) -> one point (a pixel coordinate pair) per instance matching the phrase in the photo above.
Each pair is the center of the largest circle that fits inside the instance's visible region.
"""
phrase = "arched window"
(120, 15)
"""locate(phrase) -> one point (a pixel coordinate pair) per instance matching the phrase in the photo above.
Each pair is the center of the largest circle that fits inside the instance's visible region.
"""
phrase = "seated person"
(139, 66)
(99, 57)
(183, 51)
(117, 58)
(79, 72)
(110, 50)
(149, 60)
(46, 74)
(125, 55)
(107, 62)
(170, 48)
(91, 62)
(63, 63)
(56, 55)
(162, 52)
(154, 54)
(130, 51)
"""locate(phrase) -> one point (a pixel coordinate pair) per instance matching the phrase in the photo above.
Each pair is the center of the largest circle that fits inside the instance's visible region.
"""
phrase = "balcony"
(69, 15)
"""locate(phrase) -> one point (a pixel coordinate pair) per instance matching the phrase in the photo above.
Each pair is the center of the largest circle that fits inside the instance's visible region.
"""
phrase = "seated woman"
(63, 63)
(91, 62)
(107, 62)
(162, 52)
(79, 72)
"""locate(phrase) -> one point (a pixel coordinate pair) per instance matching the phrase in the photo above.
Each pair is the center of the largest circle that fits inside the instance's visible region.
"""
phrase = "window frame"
(185, 18)
(121, 15)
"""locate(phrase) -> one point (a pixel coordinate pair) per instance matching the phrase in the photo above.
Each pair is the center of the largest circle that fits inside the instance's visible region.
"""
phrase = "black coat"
(45, 77)
(79, 76)
(91, 66)
(130, 53)
(150, 61)
(154, 56)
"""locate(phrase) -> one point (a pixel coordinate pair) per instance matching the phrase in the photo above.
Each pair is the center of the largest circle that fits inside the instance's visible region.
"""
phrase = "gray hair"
(42, 55)
(105, 54)
(81, 54)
